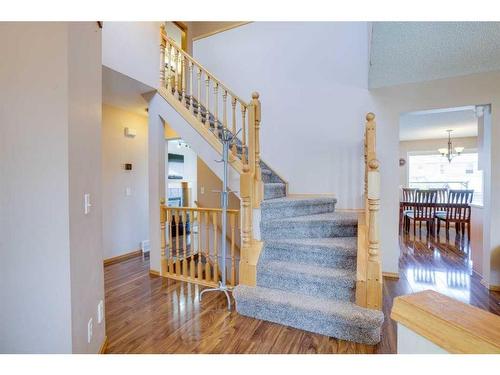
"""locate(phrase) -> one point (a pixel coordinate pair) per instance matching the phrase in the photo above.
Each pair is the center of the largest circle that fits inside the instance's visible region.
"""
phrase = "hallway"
(148, 314)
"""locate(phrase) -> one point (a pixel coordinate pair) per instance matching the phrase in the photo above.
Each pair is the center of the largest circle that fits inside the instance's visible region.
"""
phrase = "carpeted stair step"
(338, 252)
(343, 320)
(306, 279)
(274, 190)
(331, 224)
(291, 207)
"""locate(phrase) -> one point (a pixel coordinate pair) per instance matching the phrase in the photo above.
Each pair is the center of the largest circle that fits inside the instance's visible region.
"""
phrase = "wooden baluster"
(199, 94)
(169, 69)
(198, 222)
(192, 265)
(184, 244)
(163, 246)
(183, 79)
(243, 136)
(176, 73)
(224, 109)
(216, 253)
(170, 244)
(216, 109)
(233, 105)
(162, 56)
(207, 104)
(177, 247)
(232, 224)
(207, 250)
(191, 107)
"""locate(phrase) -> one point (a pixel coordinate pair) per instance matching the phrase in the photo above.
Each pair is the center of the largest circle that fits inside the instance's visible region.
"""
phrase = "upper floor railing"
(369, 270)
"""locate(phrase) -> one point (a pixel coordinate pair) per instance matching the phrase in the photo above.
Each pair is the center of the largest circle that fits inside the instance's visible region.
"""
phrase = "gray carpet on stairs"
(306, 273)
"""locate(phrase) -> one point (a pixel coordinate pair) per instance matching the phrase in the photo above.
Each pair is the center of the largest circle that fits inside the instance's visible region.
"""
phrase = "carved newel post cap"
(374, 164)
(370, 116)
(255, 95)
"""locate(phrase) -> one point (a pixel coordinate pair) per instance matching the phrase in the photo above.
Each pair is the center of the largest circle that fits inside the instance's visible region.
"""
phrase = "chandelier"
(450, 152)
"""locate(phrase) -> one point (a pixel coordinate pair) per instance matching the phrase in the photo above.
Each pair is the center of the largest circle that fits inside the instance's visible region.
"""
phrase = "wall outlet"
(100, 312)
(128, 191)
(202, 190)
(89, 330)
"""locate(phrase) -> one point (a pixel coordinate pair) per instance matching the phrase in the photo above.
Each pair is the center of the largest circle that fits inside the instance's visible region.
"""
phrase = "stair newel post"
(246, 178)
(374, 269)
(162, 56)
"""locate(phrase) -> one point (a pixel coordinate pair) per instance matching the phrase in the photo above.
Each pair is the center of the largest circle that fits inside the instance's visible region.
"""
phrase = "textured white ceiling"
(404, 52)
(433, 124)
(124, 92)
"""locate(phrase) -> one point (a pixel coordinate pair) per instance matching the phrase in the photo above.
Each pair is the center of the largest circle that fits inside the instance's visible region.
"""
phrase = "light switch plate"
(128, 192)
(100, 311)
(86, 203)
(89, 330)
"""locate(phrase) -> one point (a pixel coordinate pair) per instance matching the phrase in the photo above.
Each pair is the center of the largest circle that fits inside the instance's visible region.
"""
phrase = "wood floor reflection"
(148, 314)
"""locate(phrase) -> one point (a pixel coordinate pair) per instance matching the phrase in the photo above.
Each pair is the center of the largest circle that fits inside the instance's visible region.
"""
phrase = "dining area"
(436, 209)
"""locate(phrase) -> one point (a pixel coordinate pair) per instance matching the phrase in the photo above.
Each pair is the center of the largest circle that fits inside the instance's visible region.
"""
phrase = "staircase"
(306, 275)
(313, 268)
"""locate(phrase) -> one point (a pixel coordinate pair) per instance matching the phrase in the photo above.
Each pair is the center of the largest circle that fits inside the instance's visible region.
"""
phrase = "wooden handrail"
(211, 75)
(229, 211)
(452, 325)
(186, 86)
(369, 270)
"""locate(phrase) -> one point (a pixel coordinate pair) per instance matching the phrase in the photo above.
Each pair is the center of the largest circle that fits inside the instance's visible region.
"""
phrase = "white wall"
(34, 233)
(125, 218)
(84, 120)
(312, 79)
(50, 253)
(133, 49)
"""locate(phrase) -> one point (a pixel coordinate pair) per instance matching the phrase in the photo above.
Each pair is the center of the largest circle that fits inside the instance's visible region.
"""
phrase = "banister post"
(374, 269)
(163, 44)
(247, 272)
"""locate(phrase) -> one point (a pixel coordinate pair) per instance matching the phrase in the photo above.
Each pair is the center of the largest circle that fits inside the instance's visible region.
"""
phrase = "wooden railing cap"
(453, 325)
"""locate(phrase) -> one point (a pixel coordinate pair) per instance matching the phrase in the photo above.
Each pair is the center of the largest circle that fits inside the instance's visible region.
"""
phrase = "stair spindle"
(162, 57)
(232, 222)
(207, 250)
(191, 107)
(184, 244)
(233, 105)
(169, 69)
(176, 74)
(216, 108)
(170, 243)
(183, 79)
(207, 104)
(216, 253)
(177, 247)
(224, 109)
(192, 266)
(199, 94)
(243, 135)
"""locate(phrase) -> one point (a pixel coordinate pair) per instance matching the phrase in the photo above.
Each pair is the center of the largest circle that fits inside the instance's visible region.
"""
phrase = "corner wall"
(124, 217)
(51, 276)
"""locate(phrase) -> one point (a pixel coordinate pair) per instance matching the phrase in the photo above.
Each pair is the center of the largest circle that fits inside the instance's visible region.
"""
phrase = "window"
(434, 171)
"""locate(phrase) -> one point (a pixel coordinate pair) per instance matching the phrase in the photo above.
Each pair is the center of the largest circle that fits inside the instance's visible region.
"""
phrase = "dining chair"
(458, 213)
(408, 195)
(423, 209)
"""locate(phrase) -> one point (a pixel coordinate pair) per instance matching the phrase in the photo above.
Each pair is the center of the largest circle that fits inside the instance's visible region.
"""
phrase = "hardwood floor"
(150, 314)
